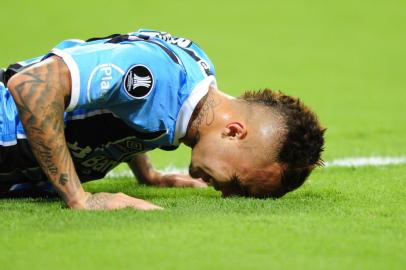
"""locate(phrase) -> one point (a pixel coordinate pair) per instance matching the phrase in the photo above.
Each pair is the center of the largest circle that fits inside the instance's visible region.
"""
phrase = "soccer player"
(75, 113)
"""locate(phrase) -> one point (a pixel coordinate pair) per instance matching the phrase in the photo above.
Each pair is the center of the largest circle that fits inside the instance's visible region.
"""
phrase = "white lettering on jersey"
(106, 78)
(100, 80)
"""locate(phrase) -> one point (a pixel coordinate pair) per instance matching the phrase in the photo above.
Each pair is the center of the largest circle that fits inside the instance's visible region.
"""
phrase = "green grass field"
(346, 59)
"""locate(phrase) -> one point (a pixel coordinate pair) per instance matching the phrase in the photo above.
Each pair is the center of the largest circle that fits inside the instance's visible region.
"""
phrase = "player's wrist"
(154, 176)
(78, 201)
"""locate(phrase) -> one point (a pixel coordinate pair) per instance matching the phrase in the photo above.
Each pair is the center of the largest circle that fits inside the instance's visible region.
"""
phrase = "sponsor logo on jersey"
(101, 80)
(105, 157)
(138, 82)
(99, 164)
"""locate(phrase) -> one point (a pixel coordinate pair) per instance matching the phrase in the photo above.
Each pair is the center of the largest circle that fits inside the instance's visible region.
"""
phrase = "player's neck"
(206, 116)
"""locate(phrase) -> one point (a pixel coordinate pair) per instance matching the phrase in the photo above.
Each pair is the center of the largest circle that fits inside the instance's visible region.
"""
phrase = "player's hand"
(111, 201)
(176, 180)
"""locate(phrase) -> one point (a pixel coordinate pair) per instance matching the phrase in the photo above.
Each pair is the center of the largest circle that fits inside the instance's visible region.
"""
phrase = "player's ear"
(235, 130)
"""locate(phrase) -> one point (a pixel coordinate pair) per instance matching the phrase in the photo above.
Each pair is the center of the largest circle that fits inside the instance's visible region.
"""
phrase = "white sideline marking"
(366, 161)
(373, 161)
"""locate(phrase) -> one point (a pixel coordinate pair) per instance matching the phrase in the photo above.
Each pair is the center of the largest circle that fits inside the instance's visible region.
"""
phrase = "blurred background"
(344, 58)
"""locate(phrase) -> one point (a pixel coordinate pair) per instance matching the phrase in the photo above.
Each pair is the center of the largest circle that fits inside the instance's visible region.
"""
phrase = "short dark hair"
(300, 150)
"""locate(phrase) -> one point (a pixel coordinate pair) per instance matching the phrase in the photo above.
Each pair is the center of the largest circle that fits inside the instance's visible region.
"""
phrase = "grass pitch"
(344, 58)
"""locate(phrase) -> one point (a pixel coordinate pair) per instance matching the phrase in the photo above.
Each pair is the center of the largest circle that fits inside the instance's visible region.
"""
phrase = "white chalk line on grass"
(374, 161)
(366, 161)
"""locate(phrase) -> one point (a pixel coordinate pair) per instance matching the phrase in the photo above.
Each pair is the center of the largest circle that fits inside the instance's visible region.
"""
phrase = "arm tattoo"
(63, 178)
(45, 153)
(40, 98)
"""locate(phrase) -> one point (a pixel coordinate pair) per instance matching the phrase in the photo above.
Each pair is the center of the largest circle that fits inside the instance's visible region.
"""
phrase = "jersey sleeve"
(106, 75)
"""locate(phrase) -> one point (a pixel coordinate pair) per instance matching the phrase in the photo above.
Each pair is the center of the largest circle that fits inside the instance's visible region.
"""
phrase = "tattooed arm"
(144, 171)
(41, 93)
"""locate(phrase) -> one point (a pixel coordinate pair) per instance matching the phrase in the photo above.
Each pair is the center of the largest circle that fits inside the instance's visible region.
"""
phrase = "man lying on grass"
(74, 114)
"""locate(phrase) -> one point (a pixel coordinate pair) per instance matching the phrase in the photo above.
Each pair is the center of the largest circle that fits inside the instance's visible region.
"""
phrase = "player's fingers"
(182, 180)
(121, 200)
(145, 206)
(190, 182)
(135, 205)
(139, 203)
(199, 183)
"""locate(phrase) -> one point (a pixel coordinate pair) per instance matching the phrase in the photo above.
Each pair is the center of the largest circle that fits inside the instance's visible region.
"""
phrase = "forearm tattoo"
(63, 178)
(41, 103)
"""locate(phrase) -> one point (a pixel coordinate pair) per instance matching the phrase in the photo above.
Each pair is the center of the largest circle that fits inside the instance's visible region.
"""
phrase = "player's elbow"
(49, 79)
(15, 82)
(21, 83)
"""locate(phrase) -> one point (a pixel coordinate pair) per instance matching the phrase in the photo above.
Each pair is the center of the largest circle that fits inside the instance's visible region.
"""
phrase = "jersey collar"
(190, 104)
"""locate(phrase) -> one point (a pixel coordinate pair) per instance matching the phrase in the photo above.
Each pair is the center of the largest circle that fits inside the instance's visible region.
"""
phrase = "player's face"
(232, 167)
